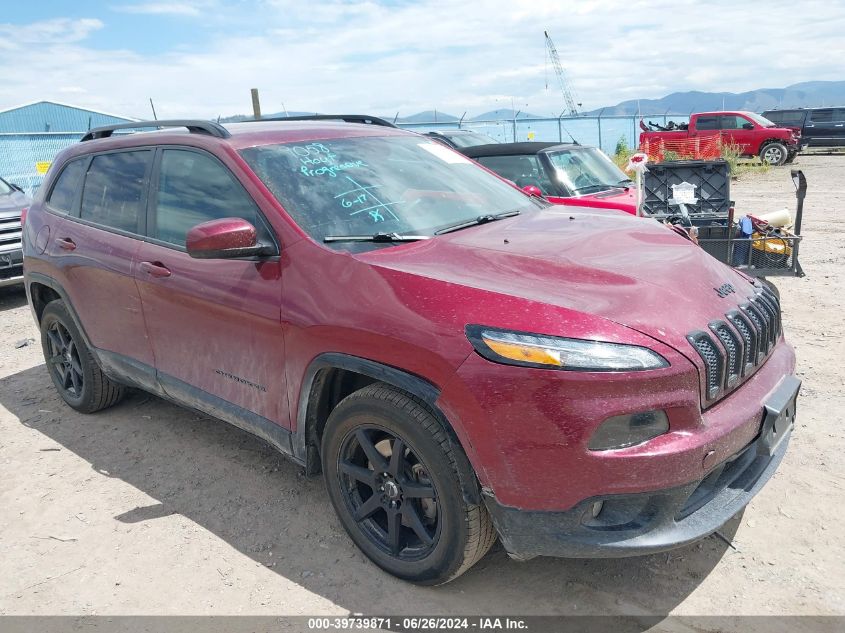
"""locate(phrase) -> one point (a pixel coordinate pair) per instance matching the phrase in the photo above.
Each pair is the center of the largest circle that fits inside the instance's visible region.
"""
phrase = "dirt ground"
(148, 508)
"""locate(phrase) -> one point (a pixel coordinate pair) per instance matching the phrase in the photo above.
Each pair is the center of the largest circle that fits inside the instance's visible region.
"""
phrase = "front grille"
(749, 338)
(733, 349)
(10, 234)
(759, 324)
(712, 362)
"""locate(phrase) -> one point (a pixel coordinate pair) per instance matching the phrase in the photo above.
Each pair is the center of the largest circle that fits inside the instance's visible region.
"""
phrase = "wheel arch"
(41, 290)
(332, 376)
(769, 141)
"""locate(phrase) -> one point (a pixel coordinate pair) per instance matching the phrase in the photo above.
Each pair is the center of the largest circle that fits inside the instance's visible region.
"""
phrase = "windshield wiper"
(598, 187)
(481, 219)
(376, 237)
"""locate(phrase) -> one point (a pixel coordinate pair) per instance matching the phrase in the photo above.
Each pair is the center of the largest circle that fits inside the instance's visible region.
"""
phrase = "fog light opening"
(622, 431)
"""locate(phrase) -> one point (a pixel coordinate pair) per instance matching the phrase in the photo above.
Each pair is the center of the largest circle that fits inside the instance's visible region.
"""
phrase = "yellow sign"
(531, 136)
(42, 166)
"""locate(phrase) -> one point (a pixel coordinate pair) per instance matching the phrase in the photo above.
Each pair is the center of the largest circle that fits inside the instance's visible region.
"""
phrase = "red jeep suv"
(460, 360)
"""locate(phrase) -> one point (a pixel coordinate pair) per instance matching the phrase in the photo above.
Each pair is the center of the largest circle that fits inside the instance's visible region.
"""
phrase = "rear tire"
(403, 508)
(72, 367)
(774, 154)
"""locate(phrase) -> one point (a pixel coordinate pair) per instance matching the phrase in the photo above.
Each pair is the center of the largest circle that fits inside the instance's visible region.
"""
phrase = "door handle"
(155, 269)
(65, 243)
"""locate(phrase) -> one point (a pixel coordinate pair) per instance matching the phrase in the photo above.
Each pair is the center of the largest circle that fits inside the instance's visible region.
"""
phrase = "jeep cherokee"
(460, 360)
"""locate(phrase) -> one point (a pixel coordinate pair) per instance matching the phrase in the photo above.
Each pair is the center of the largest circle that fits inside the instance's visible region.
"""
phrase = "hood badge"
(724, 290)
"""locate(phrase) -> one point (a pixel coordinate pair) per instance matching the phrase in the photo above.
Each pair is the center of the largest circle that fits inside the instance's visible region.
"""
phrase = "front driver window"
(195, 188)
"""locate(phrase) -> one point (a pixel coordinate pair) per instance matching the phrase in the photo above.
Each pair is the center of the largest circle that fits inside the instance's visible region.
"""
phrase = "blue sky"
(201, 57)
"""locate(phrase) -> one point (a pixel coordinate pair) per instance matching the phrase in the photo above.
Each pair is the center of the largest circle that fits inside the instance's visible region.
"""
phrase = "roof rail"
(346, 118)
(194, 127)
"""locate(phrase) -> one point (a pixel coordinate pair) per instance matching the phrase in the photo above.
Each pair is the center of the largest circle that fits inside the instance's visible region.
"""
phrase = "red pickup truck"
(754, 134)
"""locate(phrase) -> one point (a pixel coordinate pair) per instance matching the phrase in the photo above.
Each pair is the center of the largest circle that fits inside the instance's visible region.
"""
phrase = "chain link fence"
(25, 158)
(600, 131)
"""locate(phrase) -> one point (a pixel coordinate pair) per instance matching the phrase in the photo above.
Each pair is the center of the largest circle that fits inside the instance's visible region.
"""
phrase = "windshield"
(761, 120)
(469, 139)
(369, 185)
(586, 170)
(5, 189)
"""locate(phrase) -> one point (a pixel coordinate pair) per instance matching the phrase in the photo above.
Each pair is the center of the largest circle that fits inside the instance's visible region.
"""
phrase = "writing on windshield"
(401, 184)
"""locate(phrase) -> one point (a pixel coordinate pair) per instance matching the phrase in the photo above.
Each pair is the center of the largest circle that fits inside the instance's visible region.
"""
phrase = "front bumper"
(11, 267)
(644, 523)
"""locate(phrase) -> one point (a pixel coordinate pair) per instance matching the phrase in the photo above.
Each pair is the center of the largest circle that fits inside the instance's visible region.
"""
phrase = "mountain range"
(807, 94)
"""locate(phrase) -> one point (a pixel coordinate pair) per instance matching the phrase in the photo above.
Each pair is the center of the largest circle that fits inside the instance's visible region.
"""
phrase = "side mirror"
(224, 239)
(533, 190)
(747, 126)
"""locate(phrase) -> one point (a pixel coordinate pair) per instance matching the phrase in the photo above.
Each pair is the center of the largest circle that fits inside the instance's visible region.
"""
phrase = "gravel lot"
(148, 508)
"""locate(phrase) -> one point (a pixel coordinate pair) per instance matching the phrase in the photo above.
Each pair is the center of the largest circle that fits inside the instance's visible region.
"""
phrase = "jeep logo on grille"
(724, 290)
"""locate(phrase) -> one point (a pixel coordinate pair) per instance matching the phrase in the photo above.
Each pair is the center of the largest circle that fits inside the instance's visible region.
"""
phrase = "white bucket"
(779, 218)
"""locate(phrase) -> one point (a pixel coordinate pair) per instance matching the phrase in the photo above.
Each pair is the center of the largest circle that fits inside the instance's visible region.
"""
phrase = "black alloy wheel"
(64, 360)
(71, 364)
(394, 476)
(388, 492)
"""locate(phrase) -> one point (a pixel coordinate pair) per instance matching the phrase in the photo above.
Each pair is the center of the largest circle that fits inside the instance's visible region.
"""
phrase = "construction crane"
(565, 88)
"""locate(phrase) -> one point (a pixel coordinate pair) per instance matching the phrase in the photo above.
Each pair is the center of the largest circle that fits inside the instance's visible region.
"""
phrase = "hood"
(632, 271)
(13, 203)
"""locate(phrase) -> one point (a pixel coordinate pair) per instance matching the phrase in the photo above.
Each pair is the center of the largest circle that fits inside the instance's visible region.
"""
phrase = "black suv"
(820, 127)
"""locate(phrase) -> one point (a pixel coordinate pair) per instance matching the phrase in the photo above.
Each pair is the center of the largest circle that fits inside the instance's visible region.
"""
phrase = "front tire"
(393, 480)
(774, 154)
(72, 366)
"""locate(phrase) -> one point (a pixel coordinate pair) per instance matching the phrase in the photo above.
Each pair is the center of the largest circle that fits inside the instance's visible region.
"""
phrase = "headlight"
(553, 352)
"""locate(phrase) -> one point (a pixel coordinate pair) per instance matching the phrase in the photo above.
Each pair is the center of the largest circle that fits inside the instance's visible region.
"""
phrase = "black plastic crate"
(714, 237)
(711, 179)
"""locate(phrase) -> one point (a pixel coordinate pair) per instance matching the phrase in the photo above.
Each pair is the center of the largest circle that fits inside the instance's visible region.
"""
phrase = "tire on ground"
(774, 153)
(98, 391)
(466, 530)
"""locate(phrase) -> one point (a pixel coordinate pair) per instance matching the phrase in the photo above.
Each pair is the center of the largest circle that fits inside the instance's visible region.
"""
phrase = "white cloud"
(160, 8)
(366, 57)
(58, 31)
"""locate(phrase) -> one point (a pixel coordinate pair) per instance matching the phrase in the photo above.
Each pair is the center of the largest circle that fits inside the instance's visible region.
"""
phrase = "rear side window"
(195, 188)
(821, 116)
(733, 122)
(64, 191)
(785, 117)
(707, 123)
(113, 193)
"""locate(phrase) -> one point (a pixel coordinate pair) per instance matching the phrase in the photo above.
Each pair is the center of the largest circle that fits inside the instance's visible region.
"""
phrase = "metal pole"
(800, 193)
(599, 120)
(256, 104)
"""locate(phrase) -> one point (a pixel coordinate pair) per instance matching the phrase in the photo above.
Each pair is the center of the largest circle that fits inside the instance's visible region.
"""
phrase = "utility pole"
(256, 104)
